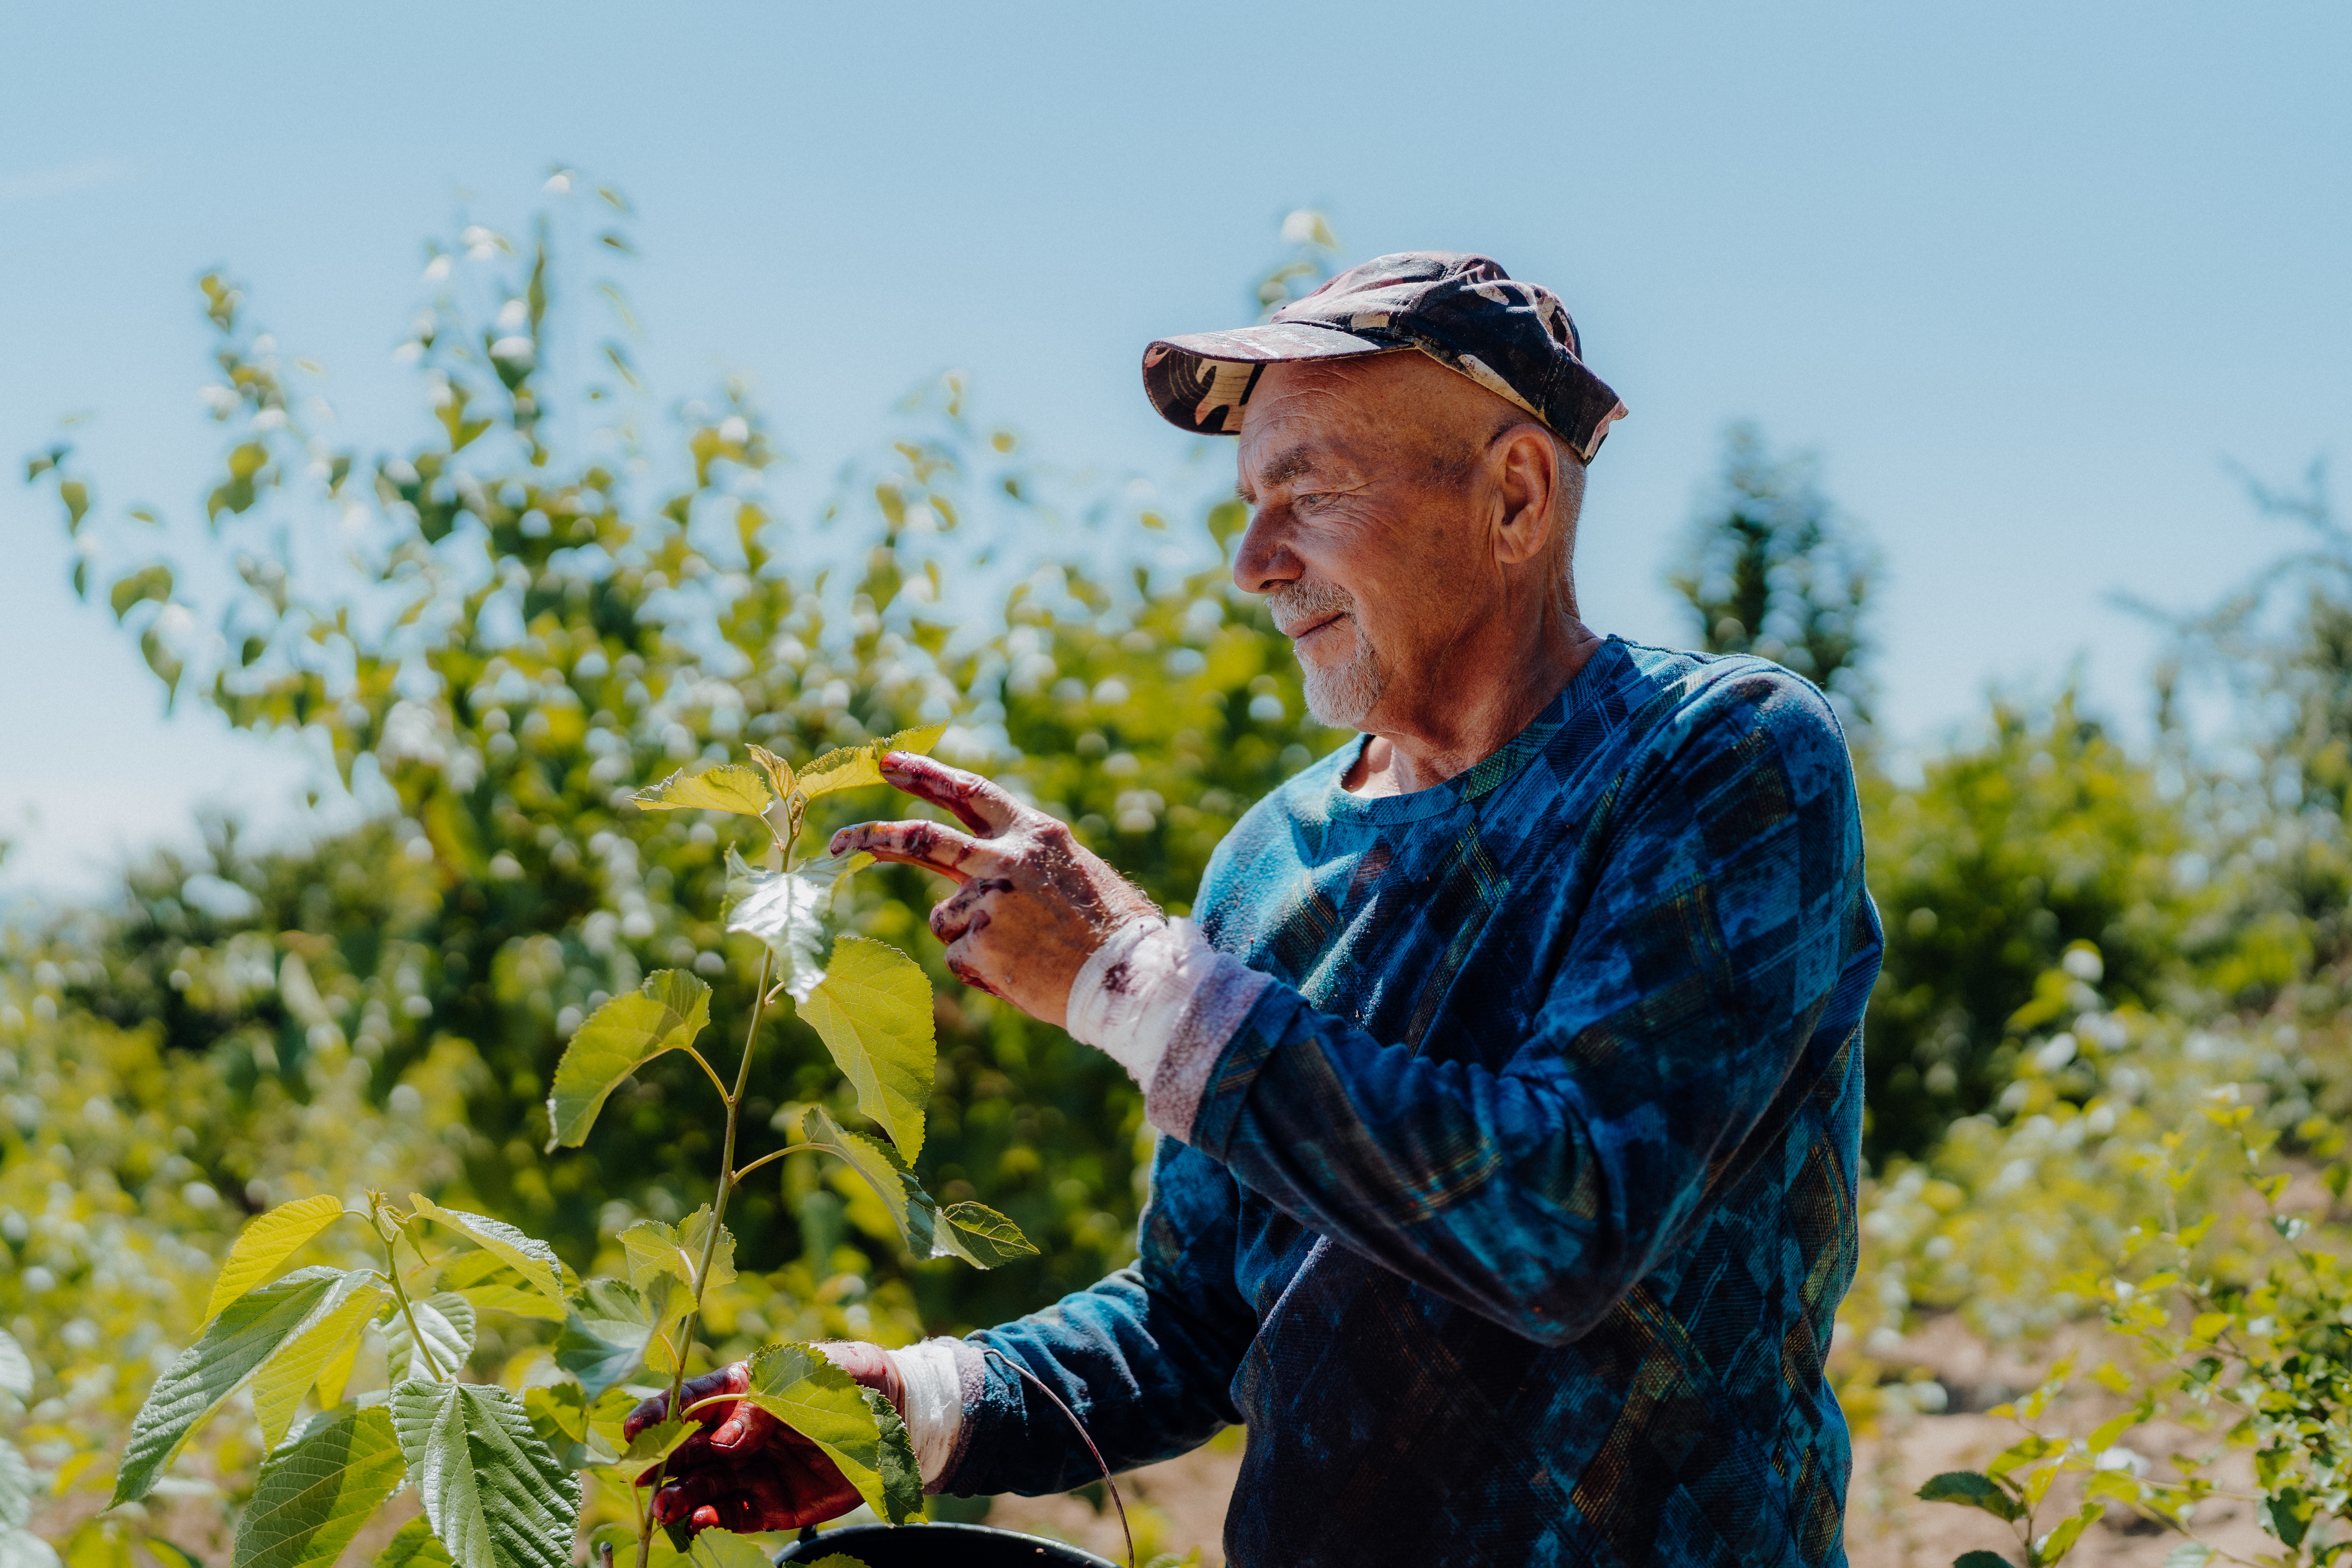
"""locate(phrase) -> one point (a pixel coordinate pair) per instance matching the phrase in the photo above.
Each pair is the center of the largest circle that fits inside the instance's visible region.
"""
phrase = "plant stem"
(391, 1273)
(778, 1154)
(734, 1101)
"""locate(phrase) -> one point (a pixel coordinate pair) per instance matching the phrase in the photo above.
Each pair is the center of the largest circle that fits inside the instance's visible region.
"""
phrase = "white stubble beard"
(1340, 695)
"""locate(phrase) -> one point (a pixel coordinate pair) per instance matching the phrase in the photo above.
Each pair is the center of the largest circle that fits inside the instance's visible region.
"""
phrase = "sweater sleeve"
(1728, 912)
(1145, 1358)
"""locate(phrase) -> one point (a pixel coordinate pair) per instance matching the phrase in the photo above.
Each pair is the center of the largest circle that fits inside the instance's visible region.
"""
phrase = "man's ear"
(1527, 481)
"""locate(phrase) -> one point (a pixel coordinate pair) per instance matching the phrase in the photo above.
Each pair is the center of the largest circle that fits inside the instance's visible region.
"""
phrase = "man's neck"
(1455, 733)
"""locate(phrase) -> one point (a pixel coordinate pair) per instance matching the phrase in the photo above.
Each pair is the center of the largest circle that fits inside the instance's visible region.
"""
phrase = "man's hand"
(745, 1470)
(1034, 904)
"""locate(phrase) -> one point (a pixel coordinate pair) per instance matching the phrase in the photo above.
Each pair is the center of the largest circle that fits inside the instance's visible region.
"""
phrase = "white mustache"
(1305, 602)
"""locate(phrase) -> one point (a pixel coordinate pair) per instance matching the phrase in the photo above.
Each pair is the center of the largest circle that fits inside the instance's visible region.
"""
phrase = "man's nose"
(1262, 561)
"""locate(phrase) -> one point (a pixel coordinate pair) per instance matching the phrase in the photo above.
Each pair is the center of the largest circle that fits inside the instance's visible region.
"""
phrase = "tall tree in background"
(1772, 570)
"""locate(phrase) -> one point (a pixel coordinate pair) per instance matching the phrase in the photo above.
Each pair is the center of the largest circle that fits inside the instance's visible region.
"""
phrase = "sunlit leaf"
(786, 909)
(781, 777)
(655, 1249)
(663, 1015)
(497, 1497)
(797, 1385)
(978, 1235)
(557, 1410)
(313, 1494)
(447, 1322)
(527, 1256)
(730, 787)
(278, 1392)
(147, 583)
(248, 1332)
(266, 1242)
(413, 1545)
(854, 767)
(15, 1368)
(902, 1476)
(873, 1010)
(16, 1488)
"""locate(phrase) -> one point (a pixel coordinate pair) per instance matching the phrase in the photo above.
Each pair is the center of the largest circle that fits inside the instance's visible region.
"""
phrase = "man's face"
(1365, 535)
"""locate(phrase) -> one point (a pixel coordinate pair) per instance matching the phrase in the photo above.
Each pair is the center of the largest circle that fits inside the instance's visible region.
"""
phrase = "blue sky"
(2028, 277)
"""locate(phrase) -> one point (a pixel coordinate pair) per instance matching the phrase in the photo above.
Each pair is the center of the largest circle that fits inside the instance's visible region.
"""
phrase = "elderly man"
(1510, 1084)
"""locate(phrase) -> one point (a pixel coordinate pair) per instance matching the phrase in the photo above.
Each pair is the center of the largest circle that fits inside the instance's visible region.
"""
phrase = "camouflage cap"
(1465, 311)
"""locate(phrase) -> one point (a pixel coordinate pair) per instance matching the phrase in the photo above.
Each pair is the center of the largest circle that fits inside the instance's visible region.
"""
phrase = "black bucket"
(939, 1546)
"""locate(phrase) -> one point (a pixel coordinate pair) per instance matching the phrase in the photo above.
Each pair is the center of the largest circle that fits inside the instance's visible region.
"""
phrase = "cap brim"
(1200, 382)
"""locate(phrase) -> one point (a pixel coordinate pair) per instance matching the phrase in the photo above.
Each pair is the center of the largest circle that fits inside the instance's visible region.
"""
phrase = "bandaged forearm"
(1159, 1001)
(934, 1376)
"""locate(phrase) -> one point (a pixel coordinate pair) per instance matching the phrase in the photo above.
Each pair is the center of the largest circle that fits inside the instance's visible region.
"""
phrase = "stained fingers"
(926, 844)
(964, 909)
(978, 803)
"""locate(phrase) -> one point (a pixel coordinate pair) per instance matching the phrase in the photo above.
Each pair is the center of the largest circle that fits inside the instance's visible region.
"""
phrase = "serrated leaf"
(983, 1237)
(313, 1494)
(854, 767)
(236, 1345)
(558, 1410)
(781, 776)
(902, 1477)
(266, 1243)
(663, 1015)
(527, 1256)
(797, 1385)
(278, 1392)
(604, 1334)
(413, 1545)
(16, 1488)
(496, 1496)
(656, 1443)
(978, 1235)
(873, 1010)
(15, 1368)
(787, 909)
(730, 787)
(447, 1322)
(655, 1249)
(608, 1413)
(1970, 1489)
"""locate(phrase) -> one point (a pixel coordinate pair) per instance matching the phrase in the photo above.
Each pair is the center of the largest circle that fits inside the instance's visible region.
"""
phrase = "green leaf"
(171, 1553)
(854, 767)
(2189, 1555)
(604, 1334)
(655, 1249)
(414, 1546)
(250, 1331)
(656, 1443)
(837, 1560)
(266, 1242)
(624, 1034)
(786, 909)
(978, 1235)
(730, 787)
(797, 1385)
(1981, 1560)
(15, 1368)
(725, 1549)
(873, 1010)
(497, 1497)
(313, 1494)
(2061, 1540)
(531, 1258)
(342, 1318)
(902, 1477)
(558, 1410)
(1970, 1489)
(149, 582)
(16, 1488)
(447, 1322)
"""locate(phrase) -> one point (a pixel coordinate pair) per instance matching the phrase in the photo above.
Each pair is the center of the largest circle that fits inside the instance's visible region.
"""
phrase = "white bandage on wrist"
(933, 1375)
(1157, 987)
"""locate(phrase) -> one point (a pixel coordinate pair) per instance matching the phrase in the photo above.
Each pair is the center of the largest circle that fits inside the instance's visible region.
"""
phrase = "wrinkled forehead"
(1308, 417)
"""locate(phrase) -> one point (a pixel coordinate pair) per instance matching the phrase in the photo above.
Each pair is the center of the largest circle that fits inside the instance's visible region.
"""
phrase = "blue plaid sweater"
(1512, 1217)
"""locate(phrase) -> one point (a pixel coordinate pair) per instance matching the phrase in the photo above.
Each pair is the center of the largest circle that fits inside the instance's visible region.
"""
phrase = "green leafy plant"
(500, 1473)
(2241, 1333)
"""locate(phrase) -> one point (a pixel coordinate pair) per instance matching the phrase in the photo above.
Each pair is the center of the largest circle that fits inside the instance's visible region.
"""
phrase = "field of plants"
(578, 1067)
